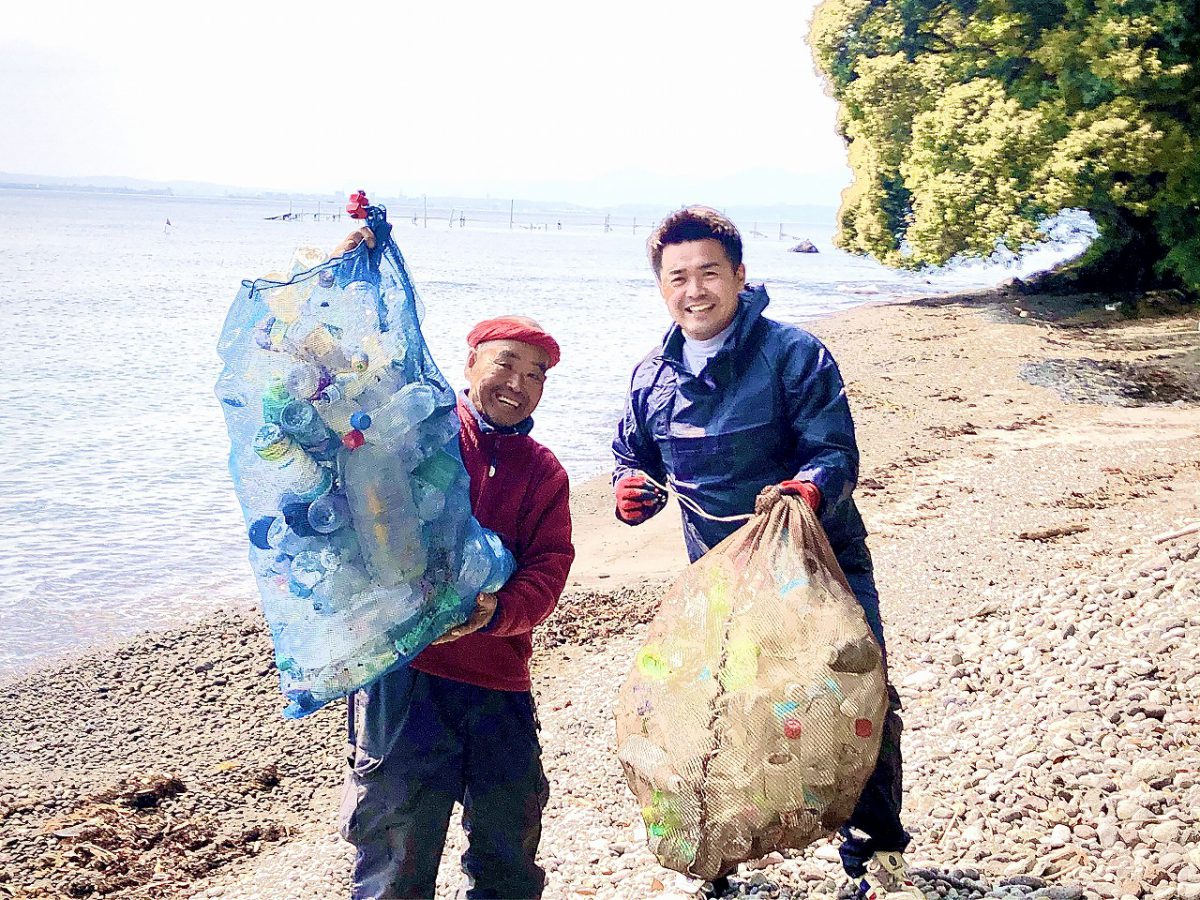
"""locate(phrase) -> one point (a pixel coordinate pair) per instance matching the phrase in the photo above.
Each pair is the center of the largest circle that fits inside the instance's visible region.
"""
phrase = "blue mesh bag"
(344, 455)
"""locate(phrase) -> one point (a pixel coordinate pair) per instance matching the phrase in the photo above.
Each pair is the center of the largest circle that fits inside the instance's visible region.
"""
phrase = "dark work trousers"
(877, 814)
(418, 745)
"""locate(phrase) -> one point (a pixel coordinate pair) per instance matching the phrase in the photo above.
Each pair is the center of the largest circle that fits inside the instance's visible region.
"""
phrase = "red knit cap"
(514, 328)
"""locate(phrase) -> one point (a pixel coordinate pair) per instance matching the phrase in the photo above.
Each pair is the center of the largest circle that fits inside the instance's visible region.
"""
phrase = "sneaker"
(892, 862)
(870, 888)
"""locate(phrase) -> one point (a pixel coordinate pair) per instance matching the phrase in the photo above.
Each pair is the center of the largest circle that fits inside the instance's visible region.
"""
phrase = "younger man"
(733, 402)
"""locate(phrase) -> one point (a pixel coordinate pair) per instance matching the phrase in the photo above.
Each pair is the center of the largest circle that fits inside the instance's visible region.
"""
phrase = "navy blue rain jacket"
(770, 406)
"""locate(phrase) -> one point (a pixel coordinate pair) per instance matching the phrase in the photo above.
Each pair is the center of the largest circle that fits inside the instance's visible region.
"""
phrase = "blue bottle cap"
(361, 421)
(296, 516)
(259, 530)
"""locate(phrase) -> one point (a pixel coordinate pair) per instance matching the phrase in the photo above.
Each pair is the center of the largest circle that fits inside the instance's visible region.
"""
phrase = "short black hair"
(694, 223)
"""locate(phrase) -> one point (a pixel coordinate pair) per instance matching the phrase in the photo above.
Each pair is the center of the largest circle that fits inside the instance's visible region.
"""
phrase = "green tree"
(969, 122)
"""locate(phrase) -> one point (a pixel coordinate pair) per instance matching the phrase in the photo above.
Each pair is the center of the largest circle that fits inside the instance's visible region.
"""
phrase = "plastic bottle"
(359, 308)
(379, 384)
(300, 420)
(439, 471)
(503, 565)
(329, 513)
(438, 431)
(402, 414)
(430, 501)
(295, 513)
(320, 640)
(301, 473)
(314, 643)
(310, 566)
(650, 762)
(486, 563)
(275, 398)
(259, 529)
(337, 590)
(304, 381)
(382, 511)
(476, 565)
(285, 541)
(335, 408)
(318, 345)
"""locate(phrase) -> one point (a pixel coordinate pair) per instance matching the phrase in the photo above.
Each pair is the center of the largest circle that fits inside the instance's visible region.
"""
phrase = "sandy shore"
(1015, 474)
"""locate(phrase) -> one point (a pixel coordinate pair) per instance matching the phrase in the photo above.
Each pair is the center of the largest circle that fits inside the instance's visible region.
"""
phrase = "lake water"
(118, 511)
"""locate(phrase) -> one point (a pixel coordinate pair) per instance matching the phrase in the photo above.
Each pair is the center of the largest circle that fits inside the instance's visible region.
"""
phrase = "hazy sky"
(431, 97)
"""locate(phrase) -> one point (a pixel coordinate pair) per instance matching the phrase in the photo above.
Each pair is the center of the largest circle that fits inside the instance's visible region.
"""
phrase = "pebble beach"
(1030, 480)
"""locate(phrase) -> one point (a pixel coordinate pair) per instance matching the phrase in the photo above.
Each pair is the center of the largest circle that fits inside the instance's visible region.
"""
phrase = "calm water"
(118, 512)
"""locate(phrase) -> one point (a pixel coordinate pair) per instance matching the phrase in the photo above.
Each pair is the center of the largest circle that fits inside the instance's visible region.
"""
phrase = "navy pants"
(420, 744)
(877, 814)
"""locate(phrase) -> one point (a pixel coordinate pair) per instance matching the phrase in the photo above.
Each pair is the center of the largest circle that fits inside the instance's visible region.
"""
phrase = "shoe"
(892, 862)
(870, 888)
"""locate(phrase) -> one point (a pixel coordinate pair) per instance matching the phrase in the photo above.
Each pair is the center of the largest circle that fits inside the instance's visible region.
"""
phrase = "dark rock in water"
(805, 246)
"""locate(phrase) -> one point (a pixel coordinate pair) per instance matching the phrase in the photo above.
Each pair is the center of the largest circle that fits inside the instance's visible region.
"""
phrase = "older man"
(458, 724)
(733, 402)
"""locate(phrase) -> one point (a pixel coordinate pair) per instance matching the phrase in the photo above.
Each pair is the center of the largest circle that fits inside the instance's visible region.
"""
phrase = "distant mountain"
(121, 184)
(762, 194)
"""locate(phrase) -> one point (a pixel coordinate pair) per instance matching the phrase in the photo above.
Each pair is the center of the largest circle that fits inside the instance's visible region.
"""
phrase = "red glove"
(805, 490)
(637, 499)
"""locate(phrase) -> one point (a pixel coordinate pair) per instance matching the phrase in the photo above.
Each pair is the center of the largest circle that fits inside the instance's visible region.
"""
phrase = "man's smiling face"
(700, 286)
(506, 380)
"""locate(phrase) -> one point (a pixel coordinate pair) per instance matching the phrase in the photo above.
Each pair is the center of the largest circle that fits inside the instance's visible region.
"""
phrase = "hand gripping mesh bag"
(344, 455)
(752, 716)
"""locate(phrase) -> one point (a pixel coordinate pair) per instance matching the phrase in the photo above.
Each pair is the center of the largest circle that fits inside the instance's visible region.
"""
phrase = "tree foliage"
(969, 122)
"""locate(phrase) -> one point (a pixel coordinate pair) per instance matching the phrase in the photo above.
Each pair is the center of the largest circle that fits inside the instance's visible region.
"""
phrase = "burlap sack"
(752, 716)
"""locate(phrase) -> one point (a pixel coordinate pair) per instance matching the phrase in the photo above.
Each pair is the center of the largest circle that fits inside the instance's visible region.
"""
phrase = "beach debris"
(1177, 533)
(1049, 534)
(345, 457)
(135, 835)
(753, 713)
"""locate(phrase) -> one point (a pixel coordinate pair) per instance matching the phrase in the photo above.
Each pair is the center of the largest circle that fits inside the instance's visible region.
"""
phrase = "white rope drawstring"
(691, 504)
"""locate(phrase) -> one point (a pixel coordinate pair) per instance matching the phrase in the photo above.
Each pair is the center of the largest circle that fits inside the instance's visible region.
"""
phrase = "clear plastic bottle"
(486, 564)
(439, 471)
(383, 514)
(379, 384)
(336, 408)
(301, 474)
(300, 420)
(401, 415)
(304, 381)
(430, 501)
(329, 513)
(337, 590)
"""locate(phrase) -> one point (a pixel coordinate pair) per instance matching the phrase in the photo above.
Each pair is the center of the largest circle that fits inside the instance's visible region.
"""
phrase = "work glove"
(637, 499)
(805, 490)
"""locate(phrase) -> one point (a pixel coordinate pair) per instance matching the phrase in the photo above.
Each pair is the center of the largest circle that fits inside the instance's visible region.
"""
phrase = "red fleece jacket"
(519, 490)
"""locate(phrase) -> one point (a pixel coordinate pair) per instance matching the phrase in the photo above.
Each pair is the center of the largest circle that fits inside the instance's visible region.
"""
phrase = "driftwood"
(1049, 534)
(1178, 533)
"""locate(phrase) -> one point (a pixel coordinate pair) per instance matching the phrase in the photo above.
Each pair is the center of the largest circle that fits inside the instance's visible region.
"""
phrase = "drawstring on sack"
(691, 504)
